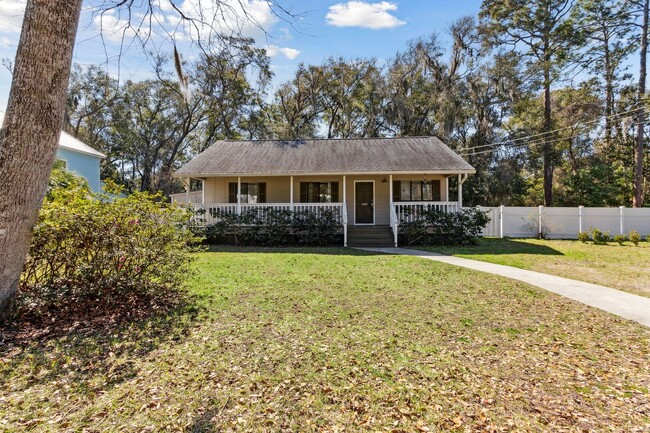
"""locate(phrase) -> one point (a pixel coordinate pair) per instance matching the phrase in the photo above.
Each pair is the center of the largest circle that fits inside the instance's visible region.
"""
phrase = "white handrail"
(394, 223)
(344, 220)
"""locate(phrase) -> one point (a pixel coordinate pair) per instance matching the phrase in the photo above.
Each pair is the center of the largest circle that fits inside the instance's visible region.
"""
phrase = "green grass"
(622, 267)
(338, 340)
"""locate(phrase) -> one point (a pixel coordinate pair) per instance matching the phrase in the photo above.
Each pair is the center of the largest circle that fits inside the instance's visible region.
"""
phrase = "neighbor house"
(372, 183)
(78, 158)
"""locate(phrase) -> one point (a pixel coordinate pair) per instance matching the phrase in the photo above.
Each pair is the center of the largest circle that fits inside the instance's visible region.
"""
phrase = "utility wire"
(539, 142)
(528, 137)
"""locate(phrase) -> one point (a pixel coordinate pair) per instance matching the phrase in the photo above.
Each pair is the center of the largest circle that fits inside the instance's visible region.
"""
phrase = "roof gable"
(322, 156)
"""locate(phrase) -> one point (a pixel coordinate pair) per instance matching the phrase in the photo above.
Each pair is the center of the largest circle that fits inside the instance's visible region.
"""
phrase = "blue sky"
(322, 29)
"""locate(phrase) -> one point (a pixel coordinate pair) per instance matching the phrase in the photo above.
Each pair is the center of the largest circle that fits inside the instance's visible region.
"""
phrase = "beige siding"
(278, 187)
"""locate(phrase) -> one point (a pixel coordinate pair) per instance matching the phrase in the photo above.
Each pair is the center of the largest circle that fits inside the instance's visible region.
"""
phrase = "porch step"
(370, 236)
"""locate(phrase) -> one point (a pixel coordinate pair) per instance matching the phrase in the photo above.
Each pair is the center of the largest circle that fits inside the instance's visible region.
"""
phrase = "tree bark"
(548, 145)
(637, 187)
(31, 129)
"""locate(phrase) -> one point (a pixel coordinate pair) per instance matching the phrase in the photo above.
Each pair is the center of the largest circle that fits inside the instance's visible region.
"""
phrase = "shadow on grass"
(204, 423)
(89, 354)
(332, 251)
(494, 246)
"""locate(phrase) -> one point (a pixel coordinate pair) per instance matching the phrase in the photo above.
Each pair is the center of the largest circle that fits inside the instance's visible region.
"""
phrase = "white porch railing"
(409, 211)
(214, 210)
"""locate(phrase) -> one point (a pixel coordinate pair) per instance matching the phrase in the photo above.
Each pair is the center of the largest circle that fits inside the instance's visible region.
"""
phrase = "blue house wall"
(83, 165)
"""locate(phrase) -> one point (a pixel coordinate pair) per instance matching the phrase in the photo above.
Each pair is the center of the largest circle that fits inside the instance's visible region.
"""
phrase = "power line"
(528, 137)
(538, 142)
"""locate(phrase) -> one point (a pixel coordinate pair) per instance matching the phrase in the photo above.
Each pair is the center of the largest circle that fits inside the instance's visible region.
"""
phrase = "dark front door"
(364, 206)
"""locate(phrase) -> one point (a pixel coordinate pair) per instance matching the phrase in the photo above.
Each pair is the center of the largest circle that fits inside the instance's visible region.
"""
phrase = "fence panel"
(492, 228)
(560, 222)
(637, 219)
(520, 222)
(606, 219)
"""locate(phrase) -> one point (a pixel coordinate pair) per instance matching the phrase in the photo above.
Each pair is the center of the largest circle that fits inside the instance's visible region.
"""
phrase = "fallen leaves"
(352, 358)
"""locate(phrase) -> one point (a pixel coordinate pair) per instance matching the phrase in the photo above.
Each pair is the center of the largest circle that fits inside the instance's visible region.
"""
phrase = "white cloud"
(362, 14)
(274, 50)
(11, 15)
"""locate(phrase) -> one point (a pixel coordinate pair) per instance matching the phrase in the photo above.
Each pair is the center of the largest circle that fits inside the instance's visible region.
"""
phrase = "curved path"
(626, 305)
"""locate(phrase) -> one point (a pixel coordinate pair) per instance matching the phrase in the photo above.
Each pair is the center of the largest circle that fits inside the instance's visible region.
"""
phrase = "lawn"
(337, 340)
(622, 267)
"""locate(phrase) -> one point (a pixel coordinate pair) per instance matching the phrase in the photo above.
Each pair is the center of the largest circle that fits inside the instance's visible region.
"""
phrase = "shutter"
(435, 188)
(232, 192)
(397, 190)
(261, 192)
(335, 192)
(303, 192)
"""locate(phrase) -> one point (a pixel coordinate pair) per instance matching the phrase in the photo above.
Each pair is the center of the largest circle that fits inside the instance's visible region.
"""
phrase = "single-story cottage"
(374, 183)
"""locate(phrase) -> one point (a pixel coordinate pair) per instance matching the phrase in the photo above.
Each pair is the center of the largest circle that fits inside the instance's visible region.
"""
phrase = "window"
(319, 192)
(405, 190)
(250, 192)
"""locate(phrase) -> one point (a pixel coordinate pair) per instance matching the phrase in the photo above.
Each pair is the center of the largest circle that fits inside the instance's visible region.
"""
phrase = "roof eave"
(326, 173)
(96, 154)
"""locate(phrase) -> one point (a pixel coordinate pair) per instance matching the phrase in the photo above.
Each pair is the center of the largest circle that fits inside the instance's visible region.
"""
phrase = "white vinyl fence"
(564, 222)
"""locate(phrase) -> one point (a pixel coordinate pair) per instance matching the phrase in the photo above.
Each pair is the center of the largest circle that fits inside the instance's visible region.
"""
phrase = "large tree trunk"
(637, 200)
(31, 129)
(609, 93)
(548, 144)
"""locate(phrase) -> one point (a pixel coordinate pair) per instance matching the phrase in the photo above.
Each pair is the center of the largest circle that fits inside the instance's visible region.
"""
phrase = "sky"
(317, 30)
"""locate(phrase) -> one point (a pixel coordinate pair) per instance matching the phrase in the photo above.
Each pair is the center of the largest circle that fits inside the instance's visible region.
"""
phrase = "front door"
(364, 206)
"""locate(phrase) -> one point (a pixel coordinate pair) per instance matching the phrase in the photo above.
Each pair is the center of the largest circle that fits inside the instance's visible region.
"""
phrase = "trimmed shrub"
(88, 247)
(634, 237)
(620, 239)
(436, 227)
(267, 226)
(583, 237)
(600, 237)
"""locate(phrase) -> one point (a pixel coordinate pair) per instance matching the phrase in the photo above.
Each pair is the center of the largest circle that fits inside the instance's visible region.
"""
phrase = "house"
(373, 183)
(78, 158)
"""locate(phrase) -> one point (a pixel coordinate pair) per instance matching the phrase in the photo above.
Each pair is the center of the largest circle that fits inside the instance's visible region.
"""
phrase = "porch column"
(291, 194)
(203, 191)
(461, 179)
(238, 195)
(187, 190)
(393, 224)
(446, 188)
(344, 211)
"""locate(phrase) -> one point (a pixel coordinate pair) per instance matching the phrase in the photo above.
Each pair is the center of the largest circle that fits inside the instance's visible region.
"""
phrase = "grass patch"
(623, 267)
(324, 340)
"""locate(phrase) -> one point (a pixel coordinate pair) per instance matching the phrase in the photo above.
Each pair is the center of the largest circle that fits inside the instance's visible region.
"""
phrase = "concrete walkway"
(617, 302)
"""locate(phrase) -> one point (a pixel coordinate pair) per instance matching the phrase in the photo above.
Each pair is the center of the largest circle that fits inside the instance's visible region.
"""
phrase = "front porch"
(356, 200)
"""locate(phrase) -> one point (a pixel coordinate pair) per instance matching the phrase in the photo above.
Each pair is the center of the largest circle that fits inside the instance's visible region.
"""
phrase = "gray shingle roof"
(368, 155)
